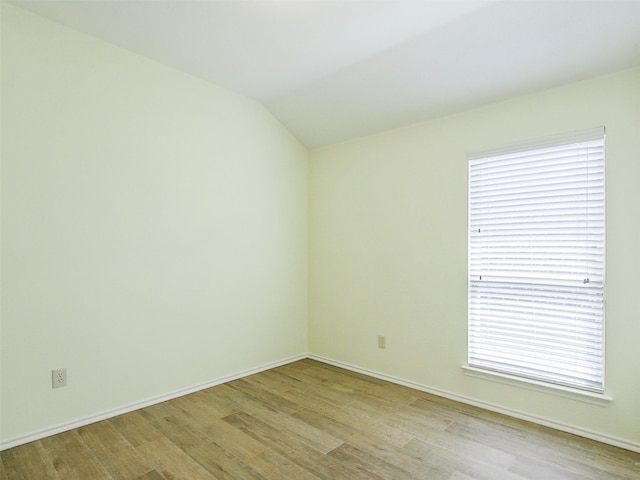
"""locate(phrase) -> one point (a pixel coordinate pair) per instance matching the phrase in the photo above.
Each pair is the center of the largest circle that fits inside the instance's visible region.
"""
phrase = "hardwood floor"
(310, 421)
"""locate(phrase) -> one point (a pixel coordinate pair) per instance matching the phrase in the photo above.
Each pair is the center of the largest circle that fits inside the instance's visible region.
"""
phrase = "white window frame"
(488, 357)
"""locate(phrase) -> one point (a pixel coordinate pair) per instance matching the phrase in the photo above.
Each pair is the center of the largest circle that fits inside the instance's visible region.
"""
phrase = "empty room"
(314, 239)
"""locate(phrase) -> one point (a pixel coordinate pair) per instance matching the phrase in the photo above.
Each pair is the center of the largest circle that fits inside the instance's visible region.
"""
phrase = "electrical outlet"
(382, 341)
(59, 378)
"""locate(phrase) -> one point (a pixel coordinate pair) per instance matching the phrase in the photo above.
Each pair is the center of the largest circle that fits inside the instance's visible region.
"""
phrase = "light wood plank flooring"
(310, 421)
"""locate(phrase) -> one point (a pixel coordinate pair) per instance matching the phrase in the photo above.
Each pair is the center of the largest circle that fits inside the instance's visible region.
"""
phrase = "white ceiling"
(332, 70)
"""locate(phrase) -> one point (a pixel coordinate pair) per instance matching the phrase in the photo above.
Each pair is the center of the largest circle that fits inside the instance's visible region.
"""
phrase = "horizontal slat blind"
(536, 261)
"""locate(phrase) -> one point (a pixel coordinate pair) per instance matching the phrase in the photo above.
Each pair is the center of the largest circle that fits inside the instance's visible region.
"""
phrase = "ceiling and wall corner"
(332, 71)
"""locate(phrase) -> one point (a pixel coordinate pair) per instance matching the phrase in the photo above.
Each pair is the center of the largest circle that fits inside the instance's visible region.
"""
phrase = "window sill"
(559, 390)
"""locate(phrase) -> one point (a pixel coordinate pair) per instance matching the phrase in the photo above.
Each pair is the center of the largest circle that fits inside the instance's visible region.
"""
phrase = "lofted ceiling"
(332, 70)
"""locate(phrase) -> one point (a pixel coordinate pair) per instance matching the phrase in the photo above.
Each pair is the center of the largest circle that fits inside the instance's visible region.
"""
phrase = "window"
(537, 260)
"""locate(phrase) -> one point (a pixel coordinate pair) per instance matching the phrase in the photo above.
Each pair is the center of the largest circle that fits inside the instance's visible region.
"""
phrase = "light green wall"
(154, 229)
(388, 231)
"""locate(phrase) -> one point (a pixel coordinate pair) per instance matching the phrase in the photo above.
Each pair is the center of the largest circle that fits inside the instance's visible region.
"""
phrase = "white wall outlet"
(382, 341)
(59, 377)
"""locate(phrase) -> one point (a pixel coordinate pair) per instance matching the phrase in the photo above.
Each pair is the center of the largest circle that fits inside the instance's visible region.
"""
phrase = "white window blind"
(536, 260)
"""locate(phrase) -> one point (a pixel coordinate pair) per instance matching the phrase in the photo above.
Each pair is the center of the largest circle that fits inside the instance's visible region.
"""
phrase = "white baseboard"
(600, 437)
(634, 447)
(14, 442)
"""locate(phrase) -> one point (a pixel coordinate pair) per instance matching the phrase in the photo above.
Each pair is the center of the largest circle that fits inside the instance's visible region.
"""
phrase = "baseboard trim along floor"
(610, 440)
(617, 442)
(31, 437)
